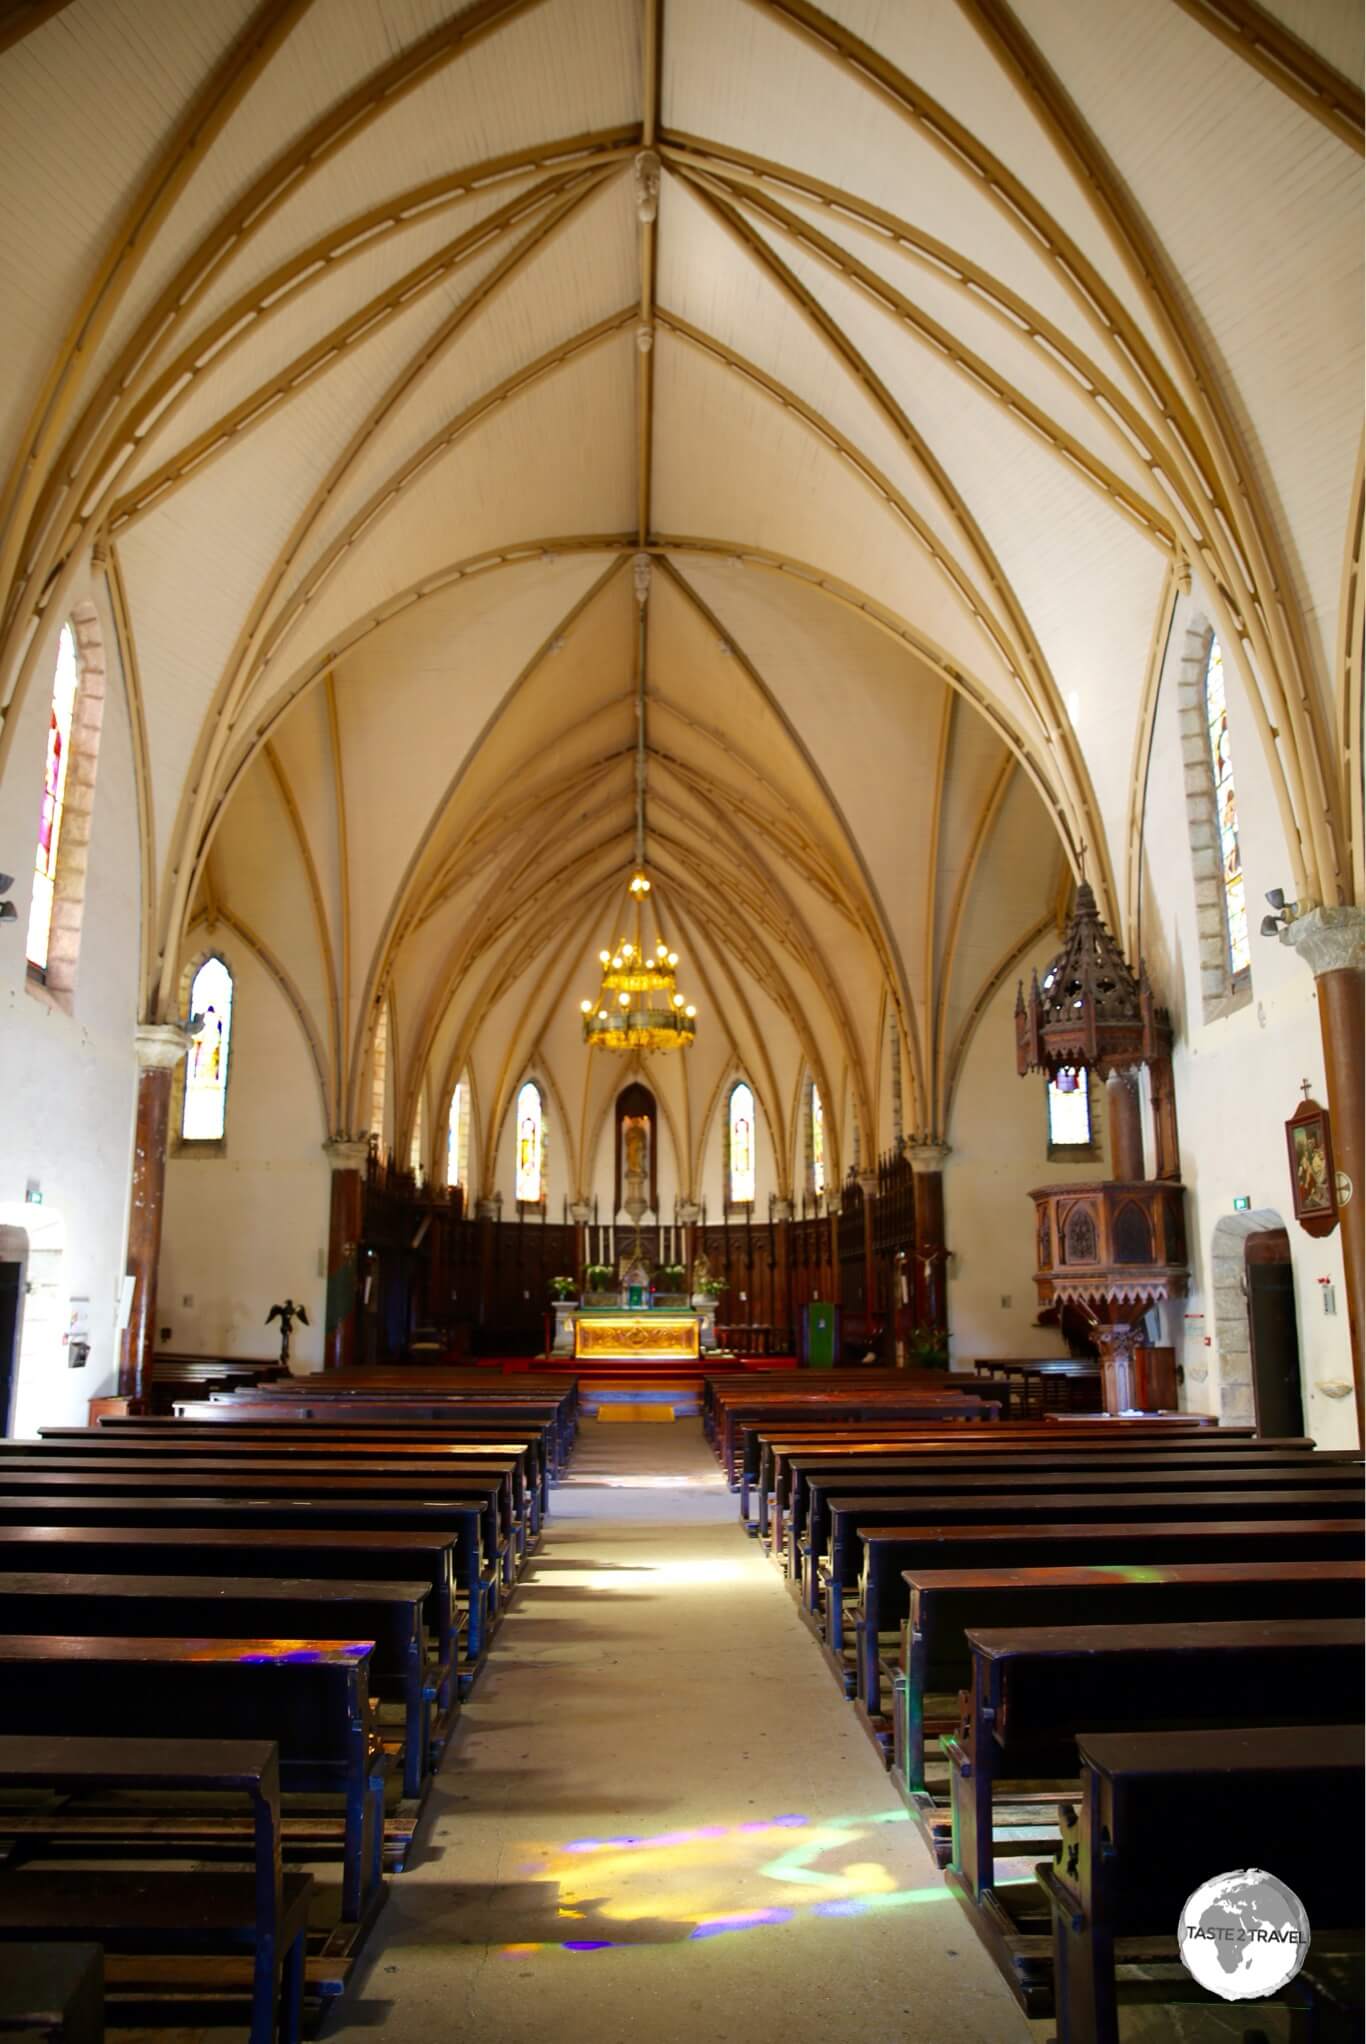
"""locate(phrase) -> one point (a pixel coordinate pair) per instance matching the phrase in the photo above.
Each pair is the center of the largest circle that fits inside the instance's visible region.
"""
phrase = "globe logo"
(1243, 1935)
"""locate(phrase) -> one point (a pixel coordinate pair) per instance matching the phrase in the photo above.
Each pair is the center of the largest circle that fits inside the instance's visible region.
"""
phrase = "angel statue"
(286, 1315)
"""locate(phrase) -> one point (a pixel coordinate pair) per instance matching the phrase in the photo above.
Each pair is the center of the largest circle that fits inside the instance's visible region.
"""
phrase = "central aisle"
(659, 1819)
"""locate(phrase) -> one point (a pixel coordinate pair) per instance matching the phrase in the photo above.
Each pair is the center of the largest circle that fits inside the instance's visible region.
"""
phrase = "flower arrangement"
(563, 1287)
(669, 1277)
(928, 1348)
(598, 1277)
(711, 1287)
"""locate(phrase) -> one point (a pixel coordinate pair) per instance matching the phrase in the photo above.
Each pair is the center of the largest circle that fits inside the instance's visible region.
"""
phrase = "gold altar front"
(636, 1337)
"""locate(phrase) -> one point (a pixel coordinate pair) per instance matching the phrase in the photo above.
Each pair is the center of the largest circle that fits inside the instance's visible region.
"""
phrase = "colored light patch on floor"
(700, 1882)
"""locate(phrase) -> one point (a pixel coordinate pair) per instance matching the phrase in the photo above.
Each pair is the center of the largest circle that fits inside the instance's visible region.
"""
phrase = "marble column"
(1329, 940)
(931, 1296)
(347, 1156)
(160, 1047)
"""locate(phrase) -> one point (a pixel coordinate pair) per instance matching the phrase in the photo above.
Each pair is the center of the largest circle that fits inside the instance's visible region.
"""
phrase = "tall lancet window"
(458, 1137)
(818, 1161)
(530, 1144)
(379, 1075)
(741, 1186)
(418, 1149)
(204, 1115)
(50, 816)
(1234, 890)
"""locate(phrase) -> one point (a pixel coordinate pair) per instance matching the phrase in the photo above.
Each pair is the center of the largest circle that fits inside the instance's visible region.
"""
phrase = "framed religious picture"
(1310, 1143)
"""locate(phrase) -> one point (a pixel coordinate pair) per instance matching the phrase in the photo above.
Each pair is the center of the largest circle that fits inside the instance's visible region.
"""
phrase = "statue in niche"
(635, 1149)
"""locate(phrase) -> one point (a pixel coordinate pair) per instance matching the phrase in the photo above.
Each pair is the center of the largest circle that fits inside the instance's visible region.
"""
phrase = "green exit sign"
(1241, 1202)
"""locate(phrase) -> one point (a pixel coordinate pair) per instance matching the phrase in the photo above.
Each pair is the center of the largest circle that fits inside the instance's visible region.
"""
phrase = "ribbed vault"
(365, 369)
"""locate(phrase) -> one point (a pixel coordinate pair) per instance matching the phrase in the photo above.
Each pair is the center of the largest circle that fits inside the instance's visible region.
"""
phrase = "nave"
(656, 1791)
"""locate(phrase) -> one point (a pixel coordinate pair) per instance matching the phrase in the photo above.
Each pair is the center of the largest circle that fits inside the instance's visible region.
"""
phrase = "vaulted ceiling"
(924, 349)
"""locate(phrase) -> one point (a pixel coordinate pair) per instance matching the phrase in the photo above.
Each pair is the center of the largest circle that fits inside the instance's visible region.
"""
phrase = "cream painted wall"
(72, 1087)
(1237, 1079)
(998, 1140)
(250, 1227)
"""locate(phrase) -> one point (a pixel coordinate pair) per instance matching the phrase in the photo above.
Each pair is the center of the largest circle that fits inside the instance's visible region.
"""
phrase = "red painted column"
(347, 1156)
(160, 1047)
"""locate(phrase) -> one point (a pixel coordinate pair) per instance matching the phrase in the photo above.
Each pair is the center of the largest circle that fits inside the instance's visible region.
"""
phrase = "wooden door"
(1273, 1334)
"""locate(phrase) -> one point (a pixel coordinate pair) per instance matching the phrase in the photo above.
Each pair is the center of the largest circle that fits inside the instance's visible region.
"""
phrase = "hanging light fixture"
(639, 1006)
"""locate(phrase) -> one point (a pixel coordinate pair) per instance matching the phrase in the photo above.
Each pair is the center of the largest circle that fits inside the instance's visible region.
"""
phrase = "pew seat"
(56, 1997)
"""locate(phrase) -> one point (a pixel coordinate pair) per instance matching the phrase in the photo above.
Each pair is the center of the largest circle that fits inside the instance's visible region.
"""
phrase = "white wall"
(1238, 1078)
(72, 1078)
(998, 1138)
(248, 1228)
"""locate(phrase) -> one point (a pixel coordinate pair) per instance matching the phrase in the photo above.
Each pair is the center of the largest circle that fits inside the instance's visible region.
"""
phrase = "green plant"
(928, 1347)
(563, 1287)
(711, 1287)
(598, 1276)
(669, 1277)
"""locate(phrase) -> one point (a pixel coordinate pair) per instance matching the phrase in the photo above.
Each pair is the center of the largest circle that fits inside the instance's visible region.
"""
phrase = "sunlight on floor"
(670, 1575)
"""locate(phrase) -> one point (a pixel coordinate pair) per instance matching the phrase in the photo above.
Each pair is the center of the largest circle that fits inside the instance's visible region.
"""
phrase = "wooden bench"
(934, 1663)
(311, 1697)
(390, 1615)
(264, 1913)
(834, 1520)
(1034, 1690)
(56, 1997)
(798, 1533)
(890, 1553)
(241, 1514)
(852, 1518)
(1263, 1797)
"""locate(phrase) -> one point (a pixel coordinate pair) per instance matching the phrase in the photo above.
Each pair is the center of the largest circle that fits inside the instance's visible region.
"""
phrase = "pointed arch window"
(203, 1117)
(818, 1156)
(56, 768)
(418, 1147)
(1233, 887)
(740, 1121)
(530, 1181)
(379, 1076)
(458, 1137)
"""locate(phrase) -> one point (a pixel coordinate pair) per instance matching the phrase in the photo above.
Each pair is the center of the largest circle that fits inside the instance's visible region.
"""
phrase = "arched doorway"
(1255, 1323)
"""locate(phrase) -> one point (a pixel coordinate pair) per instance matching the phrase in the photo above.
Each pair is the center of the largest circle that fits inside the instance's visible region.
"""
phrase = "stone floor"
(659, 1818)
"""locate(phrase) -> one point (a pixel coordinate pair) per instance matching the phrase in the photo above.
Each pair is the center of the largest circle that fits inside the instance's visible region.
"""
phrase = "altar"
(636, 1334)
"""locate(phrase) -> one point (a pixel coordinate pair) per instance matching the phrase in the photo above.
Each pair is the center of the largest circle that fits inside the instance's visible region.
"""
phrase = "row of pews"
(305, 1575)
(1104, 1659)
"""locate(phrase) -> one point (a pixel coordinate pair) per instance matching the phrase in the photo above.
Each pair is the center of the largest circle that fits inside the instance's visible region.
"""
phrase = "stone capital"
(486, 1210)
(689, 1213)
(347, 1153)
(782, 1210)
(1328, 939)
(867, 1181)
(580, 1212)
(161, 1045)
(927, 1156)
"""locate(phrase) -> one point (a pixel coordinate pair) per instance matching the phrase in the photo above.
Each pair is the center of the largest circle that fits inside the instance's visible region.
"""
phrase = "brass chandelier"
(639, 1006)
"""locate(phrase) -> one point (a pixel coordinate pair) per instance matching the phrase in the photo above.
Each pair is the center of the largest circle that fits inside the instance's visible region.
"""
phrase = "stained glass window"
(206, 1068)
(379, 1073)
(458, 1137)
(1069, 1110)
(54, 801)
(741, 1145)
(817, 1141)
(530, 1143)
(1226, 810)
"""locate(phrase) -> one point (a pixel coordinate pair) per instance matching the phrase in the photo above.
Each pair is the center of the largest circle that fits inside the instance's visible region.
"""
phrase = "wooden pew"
(264, 1913)
(266, 1553)
(311, 1697)
(1087, 1493)
(935, 1663)
(1034, 1690)
(1264, 1797)
(851, 1519)
(56, 1997)
(796, 1531)
(390, 1615)
(890, 1553)
(238, 1512)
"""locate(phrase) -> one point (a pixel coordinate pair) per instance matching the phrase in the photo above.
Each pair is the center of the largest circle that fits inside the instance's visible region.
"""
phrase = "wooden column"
(1330, 942)
(580, 1213)
(1126, 1128)
(689, 1214)
(931, 1254)
(160, 1047)
(784, 1316)
(1166, 1141)
(347, 1156)
(867, 1185)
